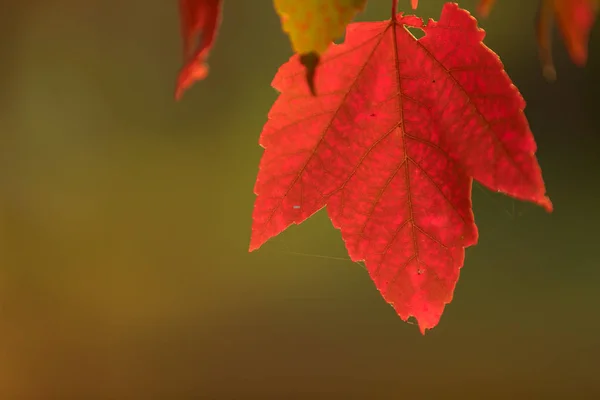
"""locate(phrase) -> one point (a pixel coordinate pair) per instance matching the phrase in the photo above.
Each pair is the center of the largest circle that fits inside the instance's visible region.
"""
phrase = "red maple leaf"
(390, 145)
(200, 21)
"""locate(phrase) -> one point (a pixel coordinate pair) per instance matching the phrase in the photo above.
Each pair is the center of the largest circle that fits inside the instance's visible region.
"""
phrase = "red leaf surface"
(200, 21)
(390, 145)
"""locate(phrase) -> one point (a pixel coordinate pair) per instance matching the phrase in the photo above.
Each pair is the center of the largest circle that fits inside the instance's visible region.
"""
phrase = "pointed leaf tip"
(575, 19)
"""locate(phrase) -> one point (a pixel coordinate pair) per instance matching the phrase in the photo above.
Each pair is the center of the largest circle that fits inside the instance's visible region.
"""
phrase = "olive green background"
(125, 219)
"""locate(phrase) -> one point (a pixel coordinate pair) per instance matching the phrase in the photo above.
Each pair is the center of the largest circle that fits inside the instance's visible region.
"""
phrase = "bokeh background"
(125, 220)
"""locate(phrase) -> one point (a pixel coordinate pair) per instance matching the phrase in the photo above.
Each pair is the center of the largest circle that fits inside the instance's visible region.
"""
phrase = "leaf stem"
(394, 9)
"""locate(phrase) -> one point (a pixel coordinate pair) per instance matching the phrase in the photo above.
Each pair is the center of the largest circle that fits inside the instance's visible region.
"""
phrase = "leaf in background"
(312, 25)
(575, 20)
(390, 145)
(200, 20)
(484, 7)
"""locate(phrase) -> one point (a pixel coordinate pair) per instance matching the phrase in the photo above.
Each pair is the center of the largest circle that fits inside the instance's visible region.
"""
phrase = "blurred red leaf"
(390, 145)
(200, 21)
(485, 6)
(575, 20)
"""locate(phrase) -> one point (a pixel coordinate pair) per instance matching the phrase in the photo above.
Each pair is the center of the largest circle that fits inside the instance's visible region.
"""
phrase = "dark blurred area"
(125, 219)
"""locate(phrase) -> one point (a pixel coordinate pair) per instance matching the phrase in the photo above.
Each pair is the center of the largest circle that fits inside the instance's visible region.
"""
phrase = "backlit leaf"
(390, 146)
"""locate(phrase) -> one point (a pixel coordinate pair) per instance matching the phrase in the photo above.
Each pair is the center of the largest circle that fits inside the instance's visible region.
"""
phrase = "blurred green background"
(125, 220)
